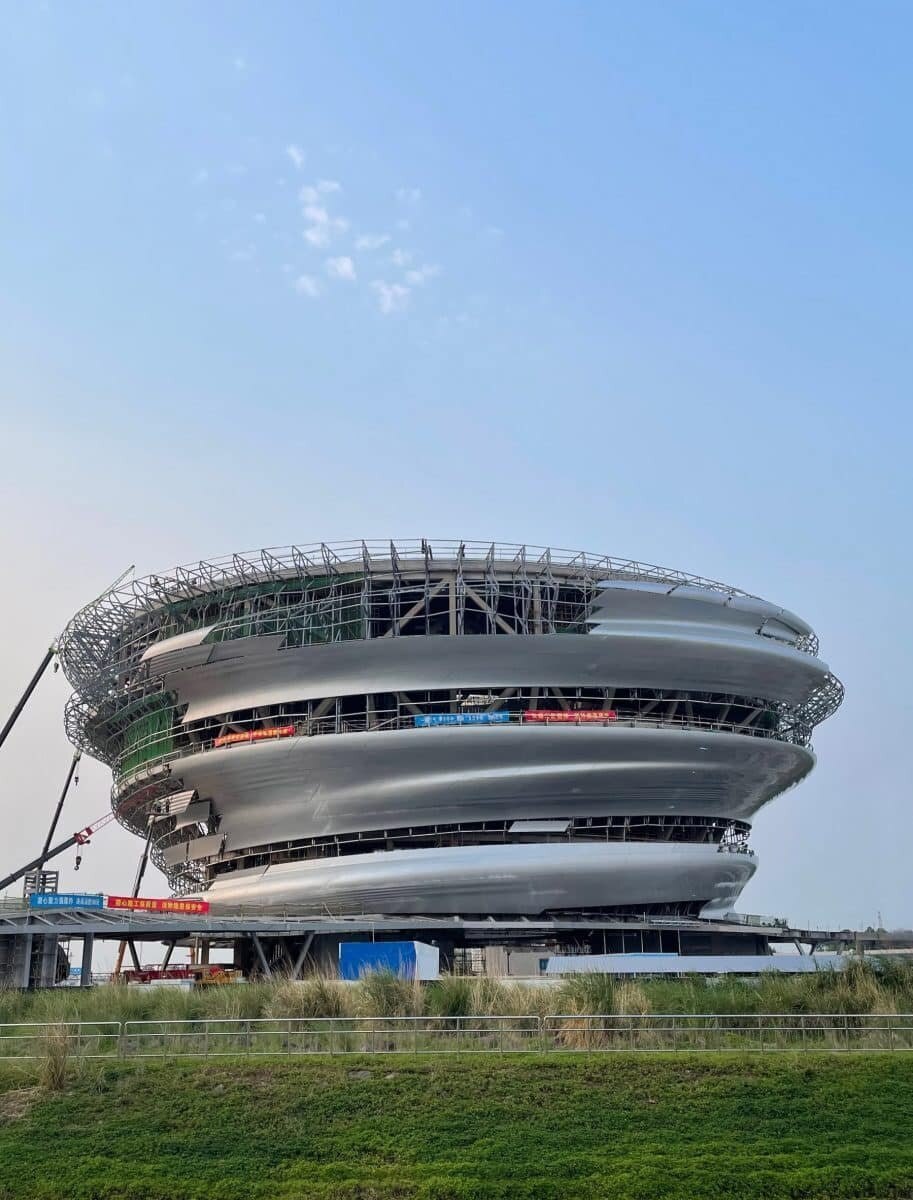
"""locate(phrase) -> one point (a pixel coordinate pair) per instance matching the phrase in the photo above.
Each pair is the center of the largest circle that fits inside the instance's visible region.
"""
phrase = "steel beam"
(261, 956)
(301, 956)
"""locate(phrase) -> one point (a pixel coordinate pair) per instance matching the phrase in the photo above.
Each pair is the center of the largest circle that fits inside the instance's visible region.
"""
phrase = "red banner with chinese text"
(171, 904)
(254, 735)
(582, 716)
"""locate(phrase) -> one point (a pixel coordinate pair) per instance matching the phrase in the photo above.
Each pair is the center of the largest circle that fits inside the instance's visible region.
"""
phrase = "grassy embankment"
(642, 1128)
(863, 988)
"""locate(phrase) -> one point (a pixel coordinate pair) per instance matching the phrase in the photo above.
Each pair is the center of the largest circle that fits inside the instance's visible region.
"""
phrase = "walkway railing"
(559, 1033)
(84, 1039)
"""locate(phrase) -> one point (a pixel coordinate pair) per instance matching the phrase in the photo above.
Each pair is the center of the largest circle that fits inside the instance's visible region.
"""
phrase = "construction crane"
(24, 698)
(81, 838)
(45, 662)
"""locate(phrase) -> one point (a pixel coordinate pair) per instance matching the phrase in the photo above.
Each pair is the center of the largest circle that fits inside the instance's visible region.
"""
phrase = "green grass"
(811, 1126)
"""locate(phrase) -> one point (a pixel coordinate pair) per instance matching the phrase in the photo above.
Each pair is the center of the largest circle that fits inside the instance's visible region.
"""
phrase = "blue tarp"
(409, 960)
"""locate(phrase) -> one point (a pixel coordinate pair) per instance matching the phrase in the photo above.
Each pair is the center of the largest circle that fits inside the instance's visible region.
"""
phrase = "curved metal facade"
(446, 727)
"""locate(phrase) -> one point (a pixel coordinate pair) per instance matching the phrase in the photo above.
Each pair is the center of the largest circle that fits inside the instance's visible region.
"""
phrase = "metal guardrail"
(557, 1033)
(84, 1039)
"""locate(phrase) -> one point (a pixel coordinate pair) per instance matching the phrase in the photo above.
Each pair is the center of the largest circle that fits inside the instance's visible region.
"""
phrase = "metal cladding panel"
(196, 848)
(307, 787)
(173, 855)
(176, 802)
(692, 605)
(540, 826)
(180, 642)
(684, 657)
(165, 659)
(507, 879)
(193, 814)
(206, 847)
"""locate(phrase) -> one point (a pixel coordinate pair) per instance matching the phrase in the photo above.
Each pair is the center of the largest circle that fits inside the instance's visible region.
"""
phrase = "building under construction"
(445, 728)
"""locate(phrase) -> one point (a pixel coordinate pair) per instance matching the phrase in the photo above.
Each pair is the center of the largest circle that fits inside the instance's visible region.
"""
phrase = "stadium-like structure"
(445, 727)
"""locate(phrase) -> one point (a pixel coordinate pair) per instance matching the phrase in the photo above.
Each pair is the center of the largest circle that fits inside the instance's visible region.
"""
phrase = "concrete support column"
(88, 945)
(47, 962)
(25, 962)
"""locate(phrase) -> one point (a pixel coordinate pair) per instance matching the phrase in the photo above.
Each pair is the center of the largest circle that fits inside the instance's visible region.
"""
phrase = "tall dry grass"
(316, 996)
(383, 994)
(54, 1061)
(865, 986)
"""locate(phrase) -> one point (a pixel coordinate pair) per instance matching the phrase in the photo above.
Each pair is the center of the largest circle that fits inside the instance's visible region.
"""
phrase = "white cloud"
(322, 226)
(371, 241)
(401, 258)
(317, 235)
(391, 297)
(307, 285)
(317, 214)
(341, 268)
(311, 192)
(422, 274)
(295, 155)
(408, 195)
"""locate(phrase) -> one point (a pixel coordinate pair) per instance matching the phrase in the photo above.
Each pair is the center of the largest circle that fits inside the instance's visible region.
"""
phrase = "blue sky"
(629, 278)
